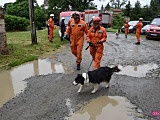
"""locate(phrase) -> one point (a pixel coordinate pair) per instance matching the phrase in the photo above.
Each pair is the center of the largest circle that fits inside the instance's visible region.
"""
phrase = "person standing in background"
(138, 31)
(71, 19)
(63, 28)
(126, 28)
(51, 27)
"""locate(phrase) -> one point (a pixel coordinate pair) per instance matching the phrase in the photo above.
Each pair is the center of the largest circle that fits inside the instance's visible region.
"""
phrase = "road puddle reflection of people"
(105, 107)
(12, 81)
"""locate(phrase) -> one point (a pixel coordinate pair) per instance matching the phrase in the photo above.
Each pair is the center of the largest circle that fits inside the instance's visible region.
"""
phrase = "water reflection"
(11, 82)
(137, 71)
(105, 107)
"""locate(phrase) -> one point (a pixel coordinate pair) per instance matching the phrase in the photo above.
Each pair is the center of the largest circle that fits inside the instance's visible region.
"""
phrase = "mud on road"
(45, 95)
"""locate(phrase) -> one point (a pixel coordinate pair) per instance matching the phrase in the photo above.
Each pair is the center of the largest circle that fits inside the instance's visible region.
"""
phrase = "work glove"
(91, 44)
(64, 37)
(99, 42)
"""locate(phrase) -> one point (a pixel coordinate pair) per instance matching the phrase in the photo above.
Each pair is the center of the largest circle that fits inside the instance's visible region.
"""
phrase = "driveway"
(46, 96)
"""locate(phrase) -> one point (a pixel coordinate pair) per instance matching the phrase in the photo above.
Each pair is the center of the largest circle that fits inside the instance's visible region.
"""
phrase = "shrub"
(14, 23)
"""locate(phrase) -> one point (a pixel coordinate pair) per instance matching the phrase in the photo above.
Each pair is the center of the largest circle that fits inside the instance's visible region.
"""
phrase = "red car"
(153, 32)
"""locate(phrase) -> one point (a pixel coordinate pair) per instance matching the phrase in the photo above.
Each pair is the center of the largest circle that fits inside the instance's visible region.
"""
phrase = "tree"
(20, 8)
(155, 7)
(118, 21)
(40, 18)
(127, 10)
(107, 7)
(147, 13)
(137, 11)
(56, 6)
(102, 8)
(79, 5)
(117, 4)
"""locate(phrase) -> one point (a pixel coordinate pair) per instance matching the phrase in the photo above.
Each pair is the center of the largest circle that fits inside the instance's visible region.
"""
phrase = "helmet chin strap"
(96, 28)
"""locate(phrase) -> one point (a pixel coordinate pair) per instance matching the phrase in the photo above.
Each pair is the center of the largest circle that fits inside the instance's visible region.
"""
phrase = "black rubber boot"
(78, 67)
(137, 43)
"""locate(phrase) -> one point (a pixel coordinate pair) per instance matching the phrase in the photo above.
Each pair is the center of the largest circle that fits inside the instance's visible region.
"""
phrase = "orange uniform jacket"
(76, 32)
(126, 27)
(51, 28)
(138, 30)
(97, 51)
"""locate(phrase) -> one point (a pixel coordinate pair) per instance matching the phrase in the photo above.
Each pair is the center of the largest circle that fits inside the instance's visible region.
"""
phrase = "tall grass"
(22, 50)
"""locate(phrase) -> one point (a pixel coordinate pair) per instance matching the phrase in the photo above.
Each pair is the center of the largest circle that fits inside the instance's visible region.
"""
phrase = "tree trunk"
(3, 39)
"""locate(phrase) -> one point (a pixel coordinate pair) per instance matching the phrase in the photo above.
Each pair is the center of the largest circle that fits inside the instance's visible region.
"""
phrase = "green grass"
(111, 30)
(22, 50)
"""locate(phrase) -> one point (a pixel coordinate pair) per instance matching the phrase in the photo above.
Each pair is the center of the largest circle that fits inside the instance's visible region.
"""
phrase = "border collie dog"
(117, 33)
(102, 74)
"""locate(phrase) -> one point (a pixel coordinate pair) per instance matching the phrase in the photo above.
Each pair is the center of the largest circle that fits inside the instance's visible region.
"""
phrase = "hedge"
(14, 23)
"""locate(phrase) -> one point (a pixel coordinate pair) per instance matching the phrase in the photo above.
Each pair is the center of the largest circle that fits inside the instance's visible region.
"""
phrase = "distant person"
(96, 36)
(138, 31)
(126, 28)
(51, 27)
(63, 28)
(91, 22)
(76, 30)
(71, 19)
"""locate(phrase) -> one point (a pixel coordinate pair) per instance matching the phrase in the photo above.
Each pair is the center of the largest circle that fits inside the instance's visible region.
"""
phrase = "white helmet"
(93, 16)
(63, 18)
(51, 15)
(72, 13)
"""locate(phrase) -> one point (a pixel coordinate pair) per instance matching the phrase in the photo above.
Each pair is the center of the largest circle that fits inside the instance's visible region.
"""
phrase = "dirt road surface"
(45, 96)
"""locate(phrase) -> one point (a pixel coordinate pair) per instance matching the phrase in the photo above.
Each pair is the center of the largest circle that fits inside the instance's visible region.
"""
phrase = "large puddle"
(11, 82)
(137, 71)
(105, 108)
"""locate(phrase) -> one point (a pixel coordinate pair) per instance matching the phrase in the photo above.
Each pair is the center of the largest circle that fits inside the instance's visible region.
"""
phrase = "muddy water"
(105, 108)
(11, 82)
(137, 71)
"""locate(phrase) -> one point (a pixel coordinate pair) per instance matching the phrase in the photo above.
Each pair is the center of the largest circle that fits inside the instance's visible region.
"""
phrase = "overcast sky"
(97, 2)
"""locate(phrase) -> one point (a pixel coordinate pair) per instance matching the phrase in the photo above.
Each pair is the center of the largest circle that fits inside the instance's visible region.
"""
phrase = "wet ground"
(43, 89)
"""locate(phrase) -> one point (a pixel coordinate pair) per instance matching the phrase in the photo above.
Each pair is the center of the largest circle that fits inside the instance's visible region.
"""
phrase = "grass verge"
(22, 50)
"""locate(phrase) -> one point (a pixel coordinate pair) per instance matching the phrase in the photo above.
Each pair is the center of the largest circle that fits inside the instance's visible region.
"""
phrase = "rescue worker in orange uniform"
(126, 28)
(52, 27)
(76, 31)
(96, 36)
(138, 31)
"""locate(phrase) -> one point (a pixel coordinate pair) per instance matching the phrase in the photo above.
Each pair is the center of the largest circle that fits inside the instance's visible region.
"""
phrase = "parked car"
(132, 28)
(143, 30)
(154, 29)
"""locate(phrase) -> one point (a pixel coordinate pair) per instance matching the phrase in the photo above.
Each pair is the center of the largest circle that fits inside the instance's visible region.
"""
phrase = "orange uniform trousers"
(126, 28)
(96, 53)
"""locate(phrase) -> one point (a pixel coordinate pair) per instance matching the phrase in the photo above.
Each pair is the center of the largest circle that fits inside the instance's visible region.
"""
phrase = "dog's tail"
(115, 69)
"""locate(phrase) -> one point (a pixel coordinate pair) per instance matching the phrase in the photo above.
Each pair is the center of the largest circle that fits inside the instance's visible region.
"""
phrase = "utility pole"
(32, 22)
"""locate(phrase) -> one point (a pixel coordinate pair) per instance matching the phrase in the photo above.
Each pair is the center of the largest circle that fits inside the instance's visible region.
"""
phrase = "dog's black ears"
(116, 69)
(79, 75)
